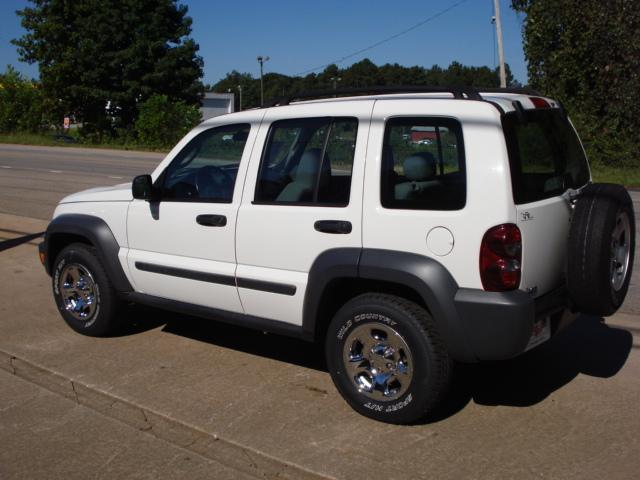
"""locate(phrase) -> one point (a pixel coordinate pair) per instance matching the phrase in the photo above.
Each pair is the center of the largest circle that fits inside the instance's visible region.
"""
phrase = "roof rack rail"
(469, 93)
(523, 91)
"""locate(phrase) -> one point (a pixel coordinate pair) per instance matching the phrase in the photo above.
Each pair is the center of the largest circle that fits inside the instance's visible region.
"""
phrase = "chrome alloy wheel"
(78, 291)
(378, 361)
(620, 250)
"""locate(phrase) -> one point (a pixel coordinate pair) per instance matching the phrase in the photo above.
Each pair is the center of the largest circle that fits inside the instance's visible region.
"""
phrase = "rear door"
(546, 160)
(303, 196)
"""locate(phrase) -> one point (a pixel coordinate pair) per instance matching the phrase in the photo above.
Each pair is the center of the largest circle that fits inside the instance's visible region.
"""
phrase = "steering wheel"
(213, 182)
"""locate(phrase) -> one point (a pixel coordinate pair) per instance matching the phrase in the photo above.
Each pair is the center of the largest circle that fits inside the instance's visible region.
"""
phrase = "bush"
(21, 104)
(162, 122)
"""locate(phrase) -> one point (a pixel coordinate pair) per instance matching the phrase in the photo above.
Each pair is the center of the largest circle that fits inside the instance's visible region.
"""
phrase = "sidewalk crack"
(73, 387)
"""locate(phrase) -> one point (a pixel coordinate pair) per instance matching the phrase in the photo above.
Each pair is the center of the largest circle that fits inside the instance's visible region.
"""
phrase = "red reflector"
(501, 258)
(539, 102)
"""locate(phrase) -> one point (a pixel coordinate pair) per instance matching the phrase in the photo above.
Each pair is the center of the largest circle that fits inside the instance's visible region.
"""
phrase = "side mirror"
(142, 188)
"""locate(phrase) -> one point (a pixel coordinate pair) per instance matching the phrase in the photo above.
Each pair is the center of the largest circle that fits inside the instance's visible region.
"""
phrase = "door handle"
(212, 220)
(333, 226)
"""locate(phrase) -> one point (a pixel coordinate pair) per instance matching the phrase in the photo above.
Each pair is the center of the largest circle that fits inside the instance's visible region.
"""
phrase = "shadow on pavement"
(588, 346)
(278, 347)
(14, 242)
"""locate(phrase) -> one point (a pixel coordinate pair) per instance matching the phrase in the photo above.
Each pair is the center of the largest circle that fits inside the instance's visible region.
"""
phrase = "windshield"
(545, 155)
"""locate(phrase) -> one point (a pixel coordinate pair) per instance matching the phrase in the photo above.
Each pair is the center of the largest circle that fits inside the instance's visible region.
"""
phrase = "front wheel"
(84, 295)
(387, 359)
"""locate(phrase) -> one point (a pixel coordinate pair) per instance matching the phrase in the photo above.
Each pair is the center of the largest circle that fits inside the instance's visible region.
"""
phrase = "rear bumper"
(498, 325)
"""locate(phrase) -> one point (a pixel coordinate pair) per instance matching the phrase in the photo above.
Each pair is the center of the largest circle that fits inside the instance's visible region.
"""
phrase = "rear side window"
(308, 162)
(545, 155)
(423, 164)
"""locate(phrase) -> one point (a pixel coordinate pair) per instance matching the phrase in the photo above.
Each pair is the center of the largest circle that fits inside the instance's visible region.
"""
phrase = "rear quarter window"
(545, 155)
(423, 164)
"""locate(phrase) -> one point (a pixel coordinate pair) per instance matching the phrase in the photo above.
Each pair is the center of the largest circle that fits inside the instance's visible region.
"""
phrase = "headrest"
(420, 166)
(241, 136)
(309, 165)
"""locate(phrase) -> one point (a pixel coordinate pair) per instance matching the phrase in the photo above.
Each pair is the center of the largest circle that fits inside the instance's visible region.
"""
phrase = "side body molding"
(96, 231)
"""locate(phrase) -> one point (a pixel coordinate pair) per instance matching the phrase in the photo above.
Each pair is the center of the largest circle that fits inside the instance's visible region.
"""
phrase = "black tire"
(594, 239)
(428, 361)
(83, 293)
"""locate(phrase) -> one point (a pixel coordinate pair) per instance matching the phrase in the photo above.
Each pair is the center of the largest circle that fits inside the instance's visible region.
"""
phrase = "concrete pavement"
(44, 435)
(265, 406)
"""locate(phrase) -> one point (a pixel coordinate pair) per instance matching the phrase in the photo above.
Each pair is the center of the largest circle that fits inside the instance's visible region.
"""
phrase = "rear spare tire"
(601, 249)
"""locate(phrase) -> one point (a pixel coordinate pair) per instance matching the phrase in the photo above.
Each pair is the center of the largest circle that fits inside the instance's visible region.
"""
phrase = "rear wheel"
(84, 295)
(387, 359)
(601, 249)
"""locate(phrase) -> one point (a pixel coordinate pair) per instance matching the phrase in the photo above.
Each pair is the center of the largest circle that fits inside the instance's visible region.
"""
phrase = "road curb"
(181, 434)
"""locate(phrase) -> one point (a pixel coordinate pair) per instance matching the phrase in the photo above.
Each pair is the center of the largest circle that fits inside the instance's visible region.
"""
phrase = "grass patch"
(53, 140)
(627, 176)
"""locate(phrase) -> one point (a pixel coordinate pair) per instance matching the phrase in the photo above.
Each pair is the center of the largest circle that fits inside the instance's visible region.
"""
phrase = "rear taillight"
(501, 258)
(539, 102)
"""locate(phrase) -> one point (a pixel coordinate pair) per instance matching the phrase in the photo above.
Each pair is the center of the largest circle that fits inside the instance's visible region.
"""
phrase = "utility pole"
(240, 90)
(503, 72)
(261, 61)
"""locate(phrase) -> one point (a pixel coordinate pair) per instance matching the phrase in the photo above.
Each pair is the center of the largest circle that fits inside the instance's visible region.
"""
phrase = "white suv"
(407, 229)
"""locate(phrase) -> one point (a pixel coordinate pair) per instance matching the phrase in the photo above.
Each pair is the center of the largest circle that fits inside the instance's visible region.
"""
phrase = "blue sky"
(299, 35)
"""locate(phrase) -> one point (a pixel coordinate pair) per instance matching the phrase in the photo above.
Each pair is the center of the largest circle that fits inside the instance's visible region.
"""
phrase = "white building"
(214, 104)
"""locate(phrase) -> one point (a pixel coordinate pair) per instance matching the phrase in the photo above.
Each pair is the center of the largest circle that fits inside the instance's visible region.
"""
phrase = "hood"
(116, 193)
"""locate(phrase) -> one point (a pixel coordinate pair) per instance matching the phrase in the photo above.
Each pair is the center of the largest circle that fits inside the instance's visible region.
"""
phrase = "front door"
(181, 247)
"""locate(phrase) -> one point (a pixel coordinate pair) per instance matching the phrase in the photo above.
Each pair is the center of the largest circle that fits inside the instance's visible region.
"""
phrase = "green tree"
(99, 58)
(22, 106)
(587, 54)
(359, 75)
(162, 121)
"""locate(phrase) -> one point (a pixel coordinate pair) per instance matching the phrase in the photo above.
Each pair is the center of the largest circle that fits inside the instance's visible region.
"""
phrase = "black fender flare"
(426, 276)
(98, 233)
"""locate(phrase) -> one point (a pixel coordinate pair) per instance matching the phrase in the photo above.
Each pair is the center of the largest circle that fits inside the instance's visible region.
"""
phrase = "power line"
(388, 39)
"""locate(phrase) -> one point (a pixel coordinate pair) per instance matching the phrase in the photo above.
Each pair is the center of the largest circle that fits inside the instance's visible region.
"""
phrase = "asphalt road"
(33, 179)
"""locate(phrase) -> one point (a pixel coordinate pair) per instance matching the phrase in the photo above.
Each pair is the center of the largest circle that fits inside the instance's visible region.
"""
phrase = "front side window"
(423, 164)
(308, 162)
(206, 169)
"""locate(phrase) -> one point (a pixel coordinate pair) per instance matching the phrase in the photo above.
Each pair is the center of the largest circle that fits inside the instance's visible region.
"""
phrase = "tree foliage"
(22, 105)
(587, 54)
(361, 74)
(162, 122)
(99, 58)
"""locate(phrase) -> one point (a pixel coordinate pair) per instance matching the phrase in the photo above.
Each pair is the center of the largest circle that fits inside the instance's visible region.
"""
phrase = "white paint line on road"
(31, 169)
